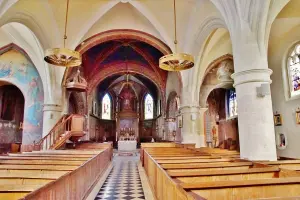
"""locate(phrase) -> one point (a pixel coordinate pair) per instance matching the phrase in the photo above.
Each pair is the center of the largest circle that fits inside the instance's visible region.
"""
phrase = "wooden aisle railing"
(60, 128)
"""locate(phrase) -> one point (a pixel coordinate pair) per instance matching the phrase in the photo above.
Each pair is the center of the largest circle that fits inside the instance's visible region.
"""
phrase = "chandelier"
(62, 56)
(176, 61)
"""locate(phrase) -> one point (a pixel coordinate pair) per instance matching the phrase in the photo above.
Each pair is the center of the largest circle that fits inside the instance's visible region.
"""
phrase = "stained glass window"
(149, 107)
(106, 107)
(232, 103)
(294, 71)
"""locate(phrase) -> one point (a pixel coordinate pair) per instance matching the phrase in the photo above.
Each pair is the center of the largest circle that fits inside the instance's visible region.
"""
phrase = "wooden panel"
(230, 177)
(193, 161)
(191, 172)
(39, 167)
(42, 158)
(24, 181)
(222, 184)
(12, 195)
(32, 174)
(47, 155)
(205, 165)
(40, 162)
(254, 192)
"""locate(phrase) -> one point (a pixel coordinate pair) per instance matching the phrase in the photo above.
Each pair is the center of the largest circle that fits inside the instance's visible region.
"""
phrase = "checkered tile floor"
(123, 182)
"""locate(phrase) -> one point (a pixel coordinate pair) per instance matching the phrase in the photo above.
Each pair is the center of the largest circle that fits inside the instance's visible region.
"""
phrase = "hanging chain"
(66, 23)
(175, 26)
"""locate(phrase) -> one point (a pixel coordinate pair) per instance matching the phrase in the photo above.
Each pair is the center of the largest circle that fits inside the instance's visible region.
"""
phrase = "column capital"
(52, 107)
(252, 75)
(189, 109)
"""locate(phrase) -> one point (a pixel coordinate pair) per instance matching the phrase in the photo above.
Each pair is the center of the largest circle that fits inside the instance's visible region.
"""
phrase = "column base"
(194, 139)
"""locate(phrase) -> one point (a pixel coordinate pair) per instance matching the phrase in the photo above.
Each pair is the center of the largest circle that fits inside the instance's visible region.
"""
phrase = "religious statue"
(214, 134)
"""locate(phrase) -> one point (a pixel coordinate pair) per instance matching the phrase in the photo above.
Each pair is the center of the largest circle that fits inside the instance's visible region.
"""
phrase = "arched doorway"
(221, 119)
(172, 126)
(11, 117)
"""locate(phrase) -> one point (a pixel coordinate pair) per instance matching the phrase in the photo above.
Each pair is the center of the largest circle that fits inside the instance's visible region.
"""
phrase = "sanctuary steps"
(185, 173)
(53, 174)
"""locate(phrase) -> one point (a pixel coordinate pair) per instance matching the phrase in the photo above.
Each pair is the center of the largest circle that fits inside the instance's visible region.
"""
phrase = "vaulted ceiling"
(123, 51)
(199, 23)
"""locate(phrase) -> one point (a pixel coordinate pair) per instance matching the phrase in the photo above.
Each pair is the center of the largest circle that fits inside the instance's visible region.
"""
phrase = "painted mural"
(15, 68)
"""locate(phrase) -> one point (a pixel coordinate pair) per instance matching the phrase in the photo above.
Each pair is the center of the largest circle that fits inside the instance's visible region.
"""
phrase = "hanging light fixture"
(62, 56)
(176, 61)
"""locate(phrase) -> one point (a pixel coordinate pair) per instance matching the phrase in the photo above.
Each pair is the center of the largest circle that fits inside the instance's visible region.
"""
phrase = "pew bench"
(178, 173)
(285, 164)
(51, 174)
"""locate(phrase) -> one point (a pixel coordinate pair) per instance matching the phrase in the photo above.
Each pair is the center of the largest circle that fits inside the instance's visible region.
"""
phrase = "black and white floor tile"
(123, 182)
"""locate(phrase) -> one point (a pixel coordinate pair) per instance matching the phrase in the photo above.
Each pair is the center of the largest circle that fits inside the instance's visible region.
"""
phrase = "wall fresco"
(15, 68)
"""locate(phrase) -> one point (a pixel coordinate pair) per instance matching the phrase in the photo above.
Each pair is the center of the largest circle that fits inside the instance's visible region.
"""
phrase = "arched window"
(106, 107)
(232, 103)
(149, 107)
(294, 71)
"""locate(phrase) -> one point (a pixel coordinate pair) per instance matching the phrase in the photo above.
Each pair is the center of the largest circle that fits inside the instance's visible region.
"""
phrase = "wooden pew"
(40, 162)
(47, 155)
(16, 157)
(51, 174)
(244, 189)
(25, 173)
(175, 173)
(207, 165)
(176, 161)
(285, 164)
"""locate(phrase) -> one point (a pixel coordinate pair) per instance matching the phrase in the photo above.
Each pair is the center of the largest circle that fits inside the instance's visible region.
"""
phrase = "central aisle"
(124, 181)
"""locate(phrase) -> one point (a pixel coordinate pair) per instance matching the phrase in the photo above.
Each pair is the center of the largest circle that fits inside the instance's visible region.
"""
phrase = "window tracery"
(106, 107)
(149, 107)
(293, 68)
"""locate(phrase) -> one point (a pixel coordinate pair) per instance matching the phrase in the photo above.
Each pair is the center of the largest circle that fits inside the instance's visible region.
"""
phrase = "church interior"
(145, 99)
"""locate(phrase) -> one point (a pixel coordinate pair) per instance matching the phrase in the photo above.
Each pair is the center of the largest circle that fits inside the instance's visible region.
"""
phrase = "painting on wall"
(16, 69)
(277, 120)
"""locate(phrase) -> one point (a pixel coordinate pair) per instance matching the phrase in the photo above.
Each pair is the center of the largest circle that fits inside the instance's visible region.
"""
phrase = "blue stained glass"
(232, 103)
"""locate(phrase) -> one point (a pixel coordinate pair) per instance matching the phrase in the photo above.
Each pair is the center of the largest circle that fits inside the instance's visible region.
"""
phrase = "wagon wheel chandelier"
(176, 61)
(62, 56)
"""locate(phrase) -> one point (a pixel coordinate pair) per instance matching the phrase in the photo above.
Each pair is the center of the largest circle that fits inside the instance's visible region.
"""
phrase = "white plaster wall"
(277, 51)
(123, 16)
(173, 84)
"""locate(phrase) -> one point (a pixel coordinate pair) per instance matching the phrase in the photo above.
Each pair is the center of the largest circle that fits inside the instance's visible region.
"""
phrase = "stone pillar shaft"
(255, 115)
(191, 125)
(52, 113)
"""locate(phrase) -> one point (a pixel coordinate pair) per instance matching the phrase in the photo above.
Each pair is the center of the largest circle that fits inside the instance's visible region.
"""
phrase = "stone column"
(255, 115)
(52, 113)
(202, 126)
(191, 125)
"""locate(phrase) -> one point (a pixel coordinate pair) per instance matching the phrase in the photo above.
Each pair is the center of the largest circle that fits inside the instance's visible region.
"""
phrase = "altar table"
(127, 145)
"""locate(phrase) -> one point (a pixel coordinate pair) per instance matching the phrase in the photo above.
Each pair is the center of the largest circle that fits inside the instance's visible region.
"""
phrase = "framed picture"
(180, 121)
(277, 120)
(281, 140)
(298, 116)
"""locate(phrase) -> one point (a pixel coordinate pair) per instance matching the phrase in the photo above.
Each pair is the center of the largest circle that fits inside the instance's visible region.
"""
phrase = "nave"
(123, 182)
(207, 90)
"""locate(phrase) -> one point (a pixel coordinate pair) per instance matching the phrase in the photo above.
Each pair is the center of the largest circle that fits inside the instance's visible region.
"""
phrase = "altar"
(127, 120)
(127, 145)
